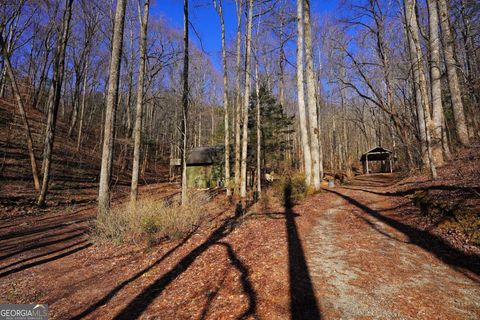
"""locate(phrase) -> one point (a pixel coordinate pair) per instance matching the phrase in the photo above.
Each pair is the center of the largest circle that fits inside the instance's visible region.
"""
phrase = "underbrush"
(451, 216)
(152, 220)
(291, 189)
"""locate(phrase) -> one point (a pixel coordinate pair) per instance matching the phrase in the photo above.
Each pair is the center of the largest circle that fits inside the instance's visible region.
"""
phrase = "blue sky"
(206, 22)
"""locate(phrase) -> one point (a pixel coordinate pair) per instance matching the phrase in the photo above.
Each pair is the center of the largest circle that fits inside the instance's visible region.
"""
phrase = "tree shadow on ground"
(39, 244)
(60, 223)
(36, 241)
(467, 264)
(303, 303)
(140, 303)
(43, 254)
(374, 180)
(474, 191)
(46, 260)
(211, 296)
(246, 283)
(123, 284)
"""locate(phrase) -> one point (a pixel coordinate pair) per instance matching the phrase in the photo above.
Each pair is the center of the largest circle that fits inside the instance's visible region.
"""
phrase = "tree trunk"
(453, 83)
(238, 106)
(219, 8)
(312, 101)
(185, 103)
(435, 82)
(129, 92)
(248, 49)
(110, 110)
(307, 160)
(82, 109)
(259, 135)
(21, 108)
(416, 53)
(138, 117)
(54, 101)
(419, 112)
(7, 44)
(281, 81)
(76, 102)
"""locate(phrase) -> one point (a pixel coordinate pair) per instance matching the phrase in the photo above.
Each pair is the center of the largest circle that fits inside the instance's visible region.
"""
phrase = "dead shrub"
(151, 220)
(264, 201)
(291, 189)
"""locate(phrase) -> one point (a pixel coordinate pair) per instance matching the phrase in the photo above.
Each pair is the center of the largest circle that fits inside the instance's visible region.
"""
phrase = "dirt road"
(366, 262)
(351, 252)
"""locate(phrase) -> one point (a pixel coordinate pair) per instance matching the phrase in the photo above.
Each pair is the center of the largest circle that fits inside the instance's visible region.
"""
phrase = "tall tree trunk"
(248, 76)
(138, 117)
(238, 100)
(111, 108)
(281, 82)
(219, 8)
(419, 111)
(54, 101)
(416, 52)
(307, 159)
(259, 134)
(312, 101)
(129, 89)
(472, 68)
(453, 83)
(82, 109)
(7, 44)
(185, 103)
(43, 74)
(435, 82)
(21, 108)
(76, 102)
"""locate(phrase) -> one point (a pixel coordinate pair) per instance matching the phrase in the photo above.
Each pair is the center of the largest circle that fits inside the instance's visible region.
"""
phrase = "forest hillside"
(247, 159)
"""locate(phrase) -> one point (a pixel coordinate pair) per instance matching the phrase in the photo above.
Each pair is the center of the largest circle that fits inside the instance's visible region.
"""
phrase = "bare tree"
(307, 158)
(418, 67)
(435, 82)
(140, 93)
(219, 8)
(21, 108)
(54, 100)
(82, 108)
(248, 76)
(453, 82)
(258, 118)
(238, 100)
(185, 102)
(111, 107)
(259, 133)
(281, 60)
(312, 101)
(80, 62)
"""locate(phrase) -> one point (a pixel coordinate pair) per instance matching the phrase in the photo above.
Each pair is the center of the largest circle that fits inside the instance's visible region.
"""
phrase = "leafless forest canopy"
(289, 90)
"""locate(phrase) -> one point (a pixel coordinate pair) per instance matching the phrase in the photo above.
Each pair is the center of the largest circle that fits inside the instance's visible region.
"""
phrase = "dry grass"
(151, 220)
(291, 188)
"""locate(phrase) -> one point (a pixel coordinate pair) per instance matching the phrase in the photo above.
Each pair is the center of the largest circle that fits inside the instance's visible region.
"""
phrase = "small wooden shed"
(377, 155)
(204, 167)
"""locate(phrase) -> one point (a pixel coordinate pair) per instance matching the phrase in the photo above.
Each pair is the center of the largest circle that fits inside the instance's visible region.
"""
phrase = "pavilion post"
(366, 159)
(391, 163)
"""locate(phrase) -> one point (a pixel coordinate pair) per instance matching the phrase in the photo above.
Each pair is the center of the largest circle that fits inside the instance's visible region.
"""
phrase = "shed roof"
(376, 154)
(204, 155)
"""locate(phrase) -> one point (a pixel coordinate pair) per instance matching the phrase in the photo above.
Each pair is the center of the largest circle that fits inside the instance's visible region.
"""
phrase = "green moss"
(200, 177)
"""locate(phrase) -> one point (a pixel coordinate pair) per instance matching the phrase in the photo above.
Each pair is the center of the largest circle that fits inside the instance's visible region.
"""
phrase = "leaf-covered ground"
(355, 252)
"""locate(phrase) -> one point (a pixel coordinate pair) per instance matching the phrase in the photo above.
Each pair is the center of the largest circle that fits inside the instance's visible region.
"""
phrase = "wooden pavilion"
(378, 155)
